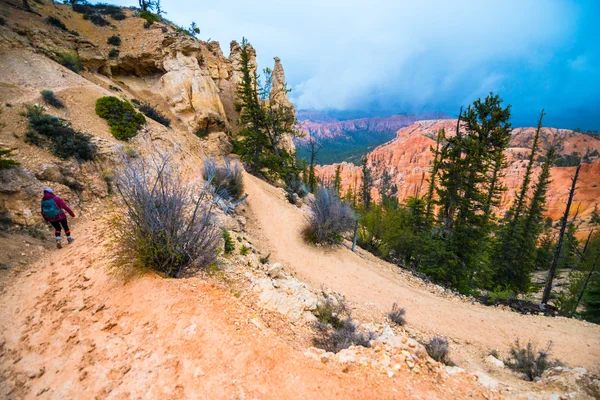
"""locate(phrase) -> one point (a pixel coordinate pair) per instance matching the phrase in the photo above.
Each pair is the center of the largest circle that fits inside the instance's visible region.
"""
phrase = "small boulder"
(275, 270)
(494, 362)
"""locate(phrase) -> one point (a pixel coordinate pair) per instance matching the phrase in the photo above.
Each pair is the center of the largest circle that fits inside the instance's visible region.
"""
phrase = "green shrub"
(50, 98)
(149, 17)
(113, 53)
(55, 22)
(82, 8)
(50, 131)
(202, 133)
(228, 245)
(244, 250)
(331, 312)
(74, 33)
(115, 88)
(120, 16)
(114, 40)
(70, 60)
(152, 112)
(528, 360)
(122, 118)
(98, 20)
(5, 161)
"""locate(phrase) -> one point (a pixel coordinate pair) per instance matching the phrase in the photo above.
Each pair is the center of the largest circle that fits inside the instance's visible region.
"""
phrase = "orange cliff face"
(408, 157)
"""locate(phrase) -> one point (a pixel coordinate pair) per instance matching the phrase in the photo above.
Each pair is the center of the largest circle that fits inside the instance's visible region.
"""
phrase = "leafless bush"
(397, 315)
(227, 179)
(341, 338)
(437, 348)
(335, 328)
(166, 226)
(329, 218)
(528, 360)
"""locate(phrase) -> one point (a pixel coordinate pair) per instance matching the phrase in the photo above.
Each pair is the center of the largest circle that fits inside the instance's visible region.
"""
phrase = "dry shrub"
(335, 329)
(166, 226)
(397, 315)
(227, 180)
(438, 349)
(329, 218)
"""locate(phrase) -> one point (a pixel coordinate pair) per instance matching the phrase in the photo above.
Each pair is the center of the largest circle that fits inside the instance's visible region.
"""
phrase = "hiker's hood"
(48, 196)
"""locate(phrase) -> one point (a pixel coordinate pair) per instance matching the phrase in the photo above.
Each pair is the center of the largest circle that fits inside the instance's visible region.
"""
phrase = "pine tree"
(595, 217)
(264, 122)
(435, 166)
(304, 167)
(468, 187)
(559, 244)
(337, 180)
(367, 183)
(514, 250)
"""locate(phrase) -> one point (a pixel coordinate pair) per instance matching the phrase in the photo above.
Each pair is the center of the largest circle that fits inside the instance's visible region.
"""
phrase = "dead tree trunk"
(561, 236)
(355, 236)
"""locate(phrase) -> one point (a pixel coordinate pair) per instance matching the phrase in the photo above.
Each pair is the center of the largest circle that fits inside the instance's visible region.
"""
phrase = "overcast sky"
(393, 56)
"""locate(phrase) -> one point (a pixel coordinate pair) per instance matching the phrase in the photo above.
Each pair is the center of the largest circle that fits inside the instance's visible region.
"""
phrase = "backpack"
(50, 209)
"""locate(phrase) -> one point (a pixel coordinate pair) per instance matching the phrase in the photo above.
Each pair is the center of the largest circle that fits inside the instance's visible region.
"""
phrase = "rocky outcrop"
(279, 97)
(17, 187)
(192, 93)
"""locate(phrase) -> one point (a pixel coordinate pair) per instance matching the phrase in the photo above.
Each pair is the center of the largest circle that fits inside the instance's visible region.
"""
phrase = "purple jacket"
(60, 204)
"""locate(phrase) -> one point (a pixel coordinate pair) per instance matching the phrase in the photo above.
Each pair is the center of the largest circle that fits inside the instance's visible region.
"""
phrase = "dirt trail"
(373, 285)
(69, 330)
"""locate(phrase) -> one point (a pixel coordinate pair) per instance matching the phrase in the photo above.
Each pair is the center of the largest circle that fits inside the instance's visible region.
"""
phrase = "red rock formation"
(333, 129)
(407, 158)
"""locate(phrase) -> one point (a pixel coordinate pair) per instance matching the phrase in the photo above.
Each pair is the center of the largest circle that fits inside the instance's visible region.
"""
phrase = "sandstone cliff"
(187, 79)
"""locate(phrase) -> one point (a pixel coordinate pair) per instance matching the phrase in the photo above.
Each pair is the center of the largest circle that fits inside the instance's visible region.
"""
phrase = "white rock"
(486, 380)
(275, 270)
(454, 370)
(494, 362)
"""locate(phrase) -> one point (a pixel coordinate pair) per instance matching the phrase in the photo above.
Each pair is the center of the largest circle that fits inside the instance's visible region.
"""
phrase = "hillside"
(407, 158)
(74, 325)
(348, 140)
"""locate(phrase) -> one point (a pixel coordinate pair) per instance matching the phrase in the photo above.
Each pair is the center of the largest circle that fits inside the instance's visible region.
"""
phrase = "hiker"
(52, 211)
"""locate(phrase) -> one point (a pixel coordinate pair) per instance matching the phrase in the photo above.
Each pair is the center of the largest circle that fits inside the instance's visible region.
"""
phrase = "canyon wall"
(408, 157)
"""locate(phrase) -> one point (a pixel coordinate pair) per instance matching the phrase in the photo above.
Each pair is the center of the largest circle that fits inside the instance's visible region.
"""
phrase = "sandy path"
(374, 284)
(69, 330)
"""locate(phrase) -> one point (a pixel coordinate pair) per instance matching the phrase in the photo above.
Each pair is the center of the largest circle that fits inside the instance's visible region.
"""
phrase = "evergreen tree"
(434, 171)
(514, 250)
(592, 299)
(337, 180)
(304, 168)
(595, 217)
(468, 187)
(559, 243)
(264, 122)
(367, 183)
